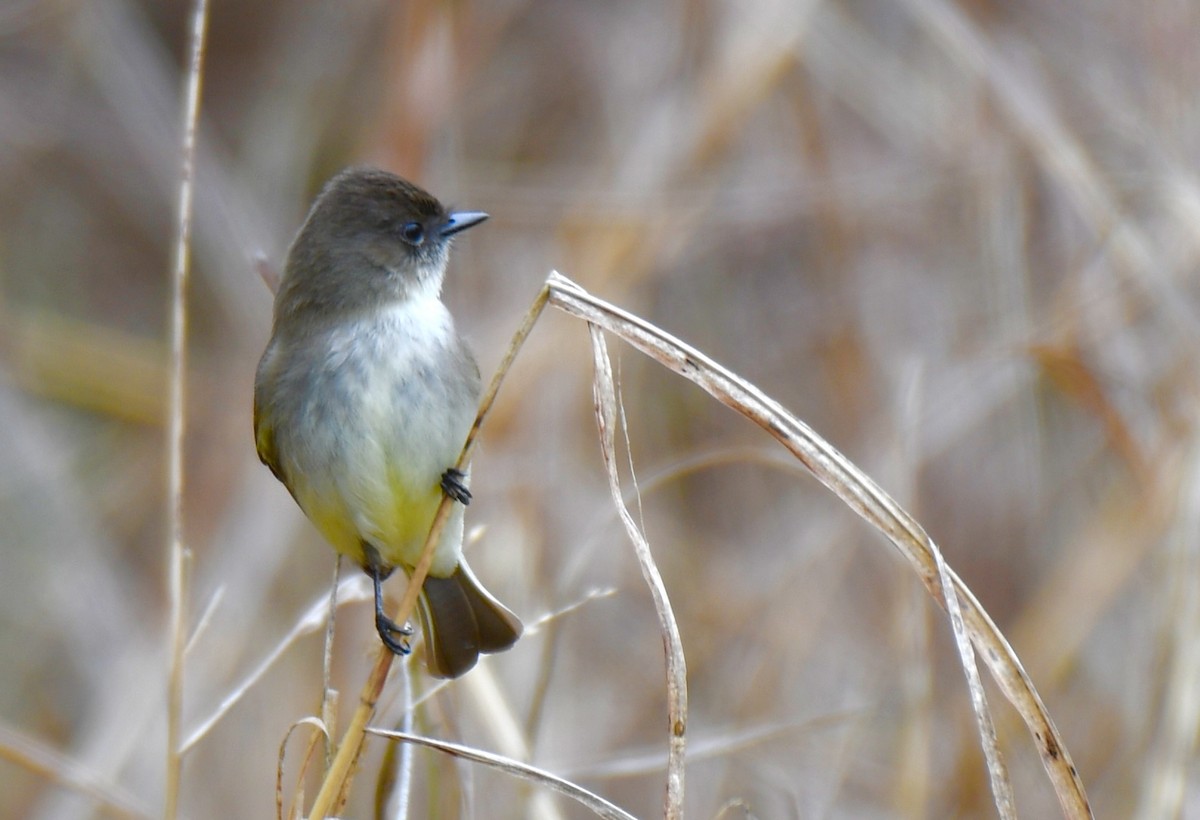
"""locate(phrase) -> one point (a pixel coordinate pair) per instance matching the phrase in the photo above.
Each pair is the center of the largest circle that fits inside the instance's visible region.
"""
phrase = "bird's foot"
(394, 636)
(454, 485)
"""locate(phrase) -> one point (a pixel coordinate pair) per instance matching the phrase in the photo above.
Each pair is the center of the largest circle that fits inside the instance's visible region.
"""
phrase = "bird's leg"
(393, 635)
(454, 485)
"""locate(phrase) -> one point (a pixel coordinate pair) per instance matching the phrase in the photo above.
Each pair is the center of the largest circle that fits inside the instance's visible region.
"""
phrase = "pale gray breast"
(395, 391)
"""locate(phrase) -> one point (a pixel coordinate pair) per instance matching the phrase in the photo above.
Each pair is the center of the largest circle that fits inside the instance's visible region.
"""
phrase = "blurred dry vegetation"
(959, 239)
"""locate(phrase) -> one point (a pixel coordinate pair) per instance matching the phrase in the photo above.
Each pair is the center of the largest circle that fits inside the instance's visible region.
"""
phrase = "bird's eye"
(413, 233)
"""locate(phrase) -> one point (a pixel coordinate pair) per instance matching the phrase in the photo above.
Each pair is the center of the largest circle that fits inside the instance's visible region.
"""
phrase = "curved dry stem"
(1002, 792)
(594, 802)
(321, 733)
(604, 391)
(862, 495)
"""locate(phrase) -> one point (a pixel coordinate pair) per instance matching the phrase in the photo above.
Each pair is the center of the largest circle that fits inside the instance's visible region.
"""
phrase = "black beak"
(460, 221)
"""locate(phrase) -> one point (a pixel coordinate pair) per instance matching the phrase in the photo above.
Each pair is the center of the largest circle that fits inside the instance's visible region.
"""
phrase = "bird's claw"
(454, 485)
(394, 636)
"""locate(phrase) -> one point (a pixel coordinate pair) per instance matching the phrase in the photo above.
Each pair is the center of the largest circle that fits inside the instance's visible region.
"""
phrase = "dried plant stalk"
(863, 496)
(594, 802)
(176, 562)
(606, 419)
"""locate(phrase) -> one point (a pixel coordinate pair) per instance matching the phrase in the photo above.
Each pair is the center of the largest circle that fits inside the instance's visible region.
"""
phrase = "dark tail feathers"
(461, 620)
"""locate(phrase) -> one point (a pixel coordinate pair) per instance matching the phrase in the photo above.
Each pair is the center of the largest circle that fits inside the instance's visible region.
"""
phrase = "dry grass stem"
(604, 393)
(1002, 792)
(594, 802)
(206, 616)
(297, 801)
(544, 621)
(862, 495)
(1173, 756)
(637, 763)
(350, 590)
(329, 698)
(48, 762)
(175, 562)
(396, 772)
(824, 197)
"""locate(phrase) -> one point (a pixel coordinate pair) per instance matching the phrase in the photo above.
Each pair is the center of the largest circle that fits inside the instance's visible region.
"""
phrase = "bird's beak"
(461, 220)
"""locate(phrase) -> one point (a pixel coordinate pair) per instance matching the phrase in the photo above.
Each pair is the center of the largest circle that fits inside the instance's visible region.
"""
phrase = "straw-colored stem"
(862, 495)
(176, 562)
(604, 389)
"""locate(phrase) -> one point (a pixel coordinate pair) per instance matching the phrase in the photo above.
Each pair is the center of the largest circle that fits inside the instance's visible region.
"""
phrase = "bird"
(364, 397)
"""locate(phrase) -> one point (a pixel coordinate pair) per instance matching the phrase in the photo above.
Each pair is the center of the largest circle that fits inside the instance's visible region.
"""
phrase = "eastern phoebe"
(364, 397)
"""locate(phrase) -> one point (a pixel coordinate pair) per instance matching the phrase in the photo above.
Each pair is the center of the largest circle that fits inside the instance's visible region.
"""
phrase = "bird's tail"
(461, 620)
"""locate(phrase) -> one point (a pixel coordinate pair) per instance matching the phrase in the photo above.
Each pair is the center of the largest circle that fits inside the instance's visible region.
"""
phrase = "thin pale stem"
(861, 494)
(175, 429)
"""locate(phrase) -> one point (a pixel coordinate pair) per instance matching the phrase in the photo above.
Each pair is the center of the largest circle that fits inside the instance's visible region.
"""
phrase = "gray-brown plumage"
(364, 397)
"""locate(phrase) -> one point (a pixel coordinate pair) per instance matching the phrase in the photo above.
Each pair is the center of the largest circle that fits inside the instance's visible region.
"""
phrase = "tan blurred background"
(959, 239)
